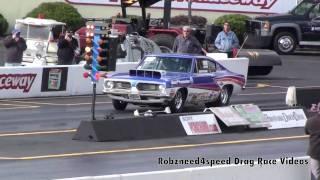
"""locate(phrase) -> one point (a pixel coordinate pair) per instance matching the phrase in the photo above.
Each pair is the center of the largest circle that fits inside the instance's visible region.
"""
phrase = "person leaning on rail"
(313, 129)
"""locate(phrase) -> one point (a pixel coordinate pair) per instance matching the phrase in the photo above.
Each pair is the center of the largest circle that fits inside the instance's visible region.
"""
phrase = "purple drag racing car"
(174, 80)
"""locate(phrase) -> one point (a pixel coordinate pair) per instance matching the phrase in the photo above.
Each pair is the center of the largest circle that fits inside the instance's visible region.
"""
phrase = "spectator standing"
(226, 40)
(313, 129)
(15, 46)
(67, 46)
(186, 43)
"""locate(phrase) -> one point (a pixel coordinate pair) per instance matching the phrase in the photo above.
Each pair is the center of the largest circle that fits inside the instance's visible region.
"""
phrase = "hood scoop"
(145, 73)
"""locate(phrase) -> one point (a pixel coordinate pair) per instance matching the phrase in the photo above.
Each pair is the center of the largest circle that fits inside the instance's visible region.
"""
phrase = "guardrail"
(261, 171)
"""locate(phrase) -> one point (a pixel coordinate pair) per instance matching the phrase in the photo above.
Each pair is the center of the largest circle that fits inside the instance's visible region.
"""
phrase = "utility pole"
(189, 12)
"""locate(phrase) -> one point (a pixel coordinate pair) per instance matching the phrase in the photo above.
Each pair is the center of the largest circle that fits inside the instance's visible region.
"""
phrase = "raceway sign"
(246, 6)
(17, 81)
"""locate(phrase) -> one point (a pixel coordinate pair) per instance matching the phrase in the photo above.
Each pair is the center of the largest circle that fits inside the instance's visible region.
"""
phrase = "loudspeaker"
(135, 128)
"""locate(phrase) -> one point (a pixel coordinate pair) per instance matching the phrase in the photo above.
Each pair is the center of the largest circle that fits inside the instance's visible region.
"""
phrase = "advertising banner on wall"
(286, 118)
(54, 79)
(19, 82)
(244, 6)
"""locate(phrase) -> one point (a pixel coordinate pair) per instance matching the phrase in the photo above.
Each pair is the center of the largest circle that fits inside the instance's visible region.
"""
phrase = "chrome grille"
(147, 87)
(122, 85)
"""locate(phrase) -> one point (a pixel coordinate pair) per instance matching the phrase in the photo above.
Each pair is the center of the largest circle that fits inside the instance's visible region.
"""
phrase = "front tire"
(177, 104)
(284, 43)
(119, 105)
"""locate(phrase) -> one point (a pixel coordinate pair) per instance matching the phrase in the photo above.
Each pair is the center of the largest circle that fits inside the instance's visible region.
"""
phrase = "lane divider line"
(56, 104)
(37, 133)
(104, 152)
(25, 107)
(254, 94)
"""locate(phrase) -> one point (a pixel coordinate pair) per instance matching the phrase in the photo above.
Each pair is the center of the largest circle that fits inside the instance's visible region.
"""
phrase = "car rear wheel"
(119, 105)
(284, 43)
(177, 104)
(259, 70)
(224, 97)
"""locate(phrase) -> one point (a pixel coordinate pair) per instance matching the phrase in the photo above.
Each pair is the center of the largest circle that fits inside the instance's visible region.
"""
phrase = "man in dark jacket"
(15, 46)
(313, 129)
(67, 46)
(186, 43)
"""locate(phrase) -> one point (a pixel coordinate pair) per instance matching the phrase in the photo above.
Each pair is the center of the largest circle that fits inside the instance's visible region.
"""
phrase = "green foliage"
(3, 25)
(59, 11)
(183, 20)
(237, 23)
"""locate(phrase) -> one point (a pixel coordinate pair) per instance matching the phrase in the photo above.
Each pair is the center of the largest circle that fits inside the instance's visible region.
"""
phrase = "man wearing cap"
(186, 43)
(15, 46)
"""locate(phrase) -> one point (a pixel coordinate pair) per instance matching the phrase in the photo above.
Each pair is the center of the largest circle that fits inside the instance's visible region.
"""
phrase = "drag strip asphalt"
(36, 143)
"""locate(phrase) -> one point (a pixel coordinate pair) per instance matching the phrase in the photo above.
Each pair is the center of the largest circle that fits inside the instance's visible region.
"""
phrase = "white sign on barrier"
(253, 114)
(286, 118)
(200, 124)
(247, 6)
(229, 116)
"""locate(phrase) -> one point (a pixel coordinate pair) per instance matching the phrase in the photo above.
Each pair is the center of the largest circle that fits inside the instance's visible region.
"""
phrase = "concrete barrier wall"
(276, 171)
(24, 82)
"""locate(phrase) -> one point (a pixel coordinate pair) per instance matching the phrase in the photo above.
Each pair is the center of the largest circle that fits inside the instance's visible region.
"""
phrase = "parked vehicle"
(285, 32)
(174, 80)
(41, 36)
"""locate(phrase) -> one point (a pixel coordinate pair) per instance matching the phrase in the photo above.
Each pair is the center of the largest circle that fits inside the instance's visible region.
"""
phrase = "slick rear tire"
(223, 99)
(119, 105)
(259, 70)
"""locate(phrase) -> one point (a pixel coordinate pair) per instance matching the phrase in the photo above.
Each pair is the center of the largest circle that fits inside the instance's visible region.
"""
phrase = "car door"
(204, 86)
(311, 34)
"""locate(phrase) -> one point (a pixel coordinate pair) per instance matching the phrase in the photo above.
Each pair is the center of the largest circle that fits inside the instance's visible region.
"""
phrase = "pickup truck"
(285, 32)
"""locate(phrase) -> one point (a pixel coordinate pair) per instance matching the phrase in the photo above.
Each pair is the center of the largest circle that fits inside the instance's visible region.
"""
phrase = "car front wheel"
(284, 43)
(119, 105)
(177, 104)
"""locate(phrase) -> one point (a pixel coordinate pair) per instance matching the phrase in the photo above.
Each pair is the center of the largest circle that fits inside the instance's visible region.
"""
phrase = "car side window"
(205, 66)
(315, 12)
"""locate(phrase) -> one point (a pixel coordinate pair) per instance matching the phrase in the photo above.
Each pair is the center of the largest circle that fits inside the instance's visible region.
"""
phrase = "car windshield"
(303, 7)
(35, 32)
(171, 64)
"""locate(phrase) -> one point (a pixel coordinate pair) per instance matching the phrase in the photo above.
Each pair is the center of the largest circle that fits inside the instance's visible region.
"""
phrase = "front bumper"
(143, 97)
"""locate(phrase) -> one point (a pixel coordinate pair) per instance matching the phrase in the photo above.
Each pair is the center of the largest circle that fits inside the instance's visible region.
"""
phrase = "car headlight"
(162, 88)
(109, 84)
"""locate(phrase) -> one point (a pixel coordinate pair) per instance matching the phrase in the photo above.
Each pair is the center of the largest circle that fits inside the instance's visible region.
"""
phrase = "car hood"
(154, 76)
